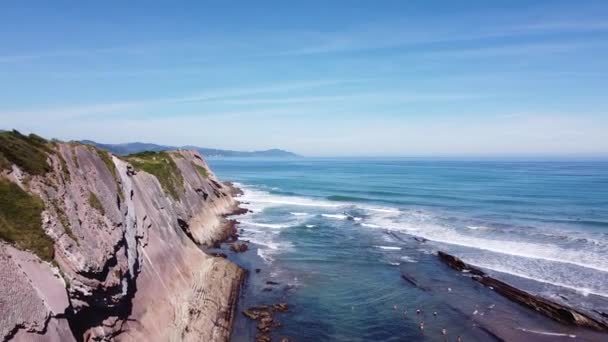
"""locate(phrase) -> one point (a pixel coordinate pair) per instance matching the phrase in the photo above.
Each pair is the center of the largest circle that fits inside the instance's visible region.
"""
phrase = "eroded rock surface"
(126, 263)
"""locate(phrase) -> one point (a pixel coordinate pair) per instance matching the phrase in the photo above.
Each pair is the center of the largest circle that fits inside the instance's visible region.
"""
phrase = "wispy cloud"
(535, 48)
(309, 42)
(563, 26)
(404, 36)
(75, 111)
(394, 97)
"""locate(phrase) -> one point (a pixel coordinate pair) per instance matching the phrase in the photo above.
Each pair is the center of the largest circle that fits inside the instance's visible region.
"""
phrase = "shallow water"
(339, 234)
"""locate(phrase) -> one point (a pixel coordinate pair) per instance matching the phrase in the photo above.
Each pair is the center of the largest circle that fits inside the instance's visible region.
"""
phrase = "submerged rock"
(553, 310)
(239, 247)
(263, 314)
(280, 307)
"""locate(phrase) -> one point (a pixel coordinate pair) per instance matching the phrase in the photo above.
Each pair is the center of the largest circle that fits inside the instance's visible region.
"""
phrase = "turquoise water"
(338, 233)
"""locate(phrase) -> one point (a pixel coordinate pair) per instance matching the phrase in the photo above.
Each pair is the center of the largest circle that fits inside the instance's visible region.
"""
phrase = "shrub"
(20, 220)
(201, 170)
(27, 152)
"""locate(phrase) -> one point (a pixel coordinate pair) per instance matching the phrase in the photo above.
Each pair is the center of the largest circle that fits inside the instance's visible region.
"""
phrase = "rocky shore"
(493, 308)
(122, 261)
(556, 311)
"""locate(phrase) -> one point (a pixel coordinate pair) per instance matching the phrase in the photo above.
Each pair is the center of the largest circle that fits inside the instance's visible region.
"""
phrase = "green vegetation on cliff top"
(20, 221)
(201, 170)
(27, 152)
(161, 165)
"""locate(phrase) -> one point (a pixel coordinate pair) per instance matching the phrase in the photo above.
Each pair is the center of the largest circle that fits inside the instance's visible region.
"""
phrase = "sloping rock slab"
(555, 311)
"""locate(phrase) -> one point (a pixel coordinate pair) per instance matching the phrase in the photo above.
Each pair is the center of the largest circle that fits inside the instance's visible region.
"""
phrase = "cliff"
(95, 247)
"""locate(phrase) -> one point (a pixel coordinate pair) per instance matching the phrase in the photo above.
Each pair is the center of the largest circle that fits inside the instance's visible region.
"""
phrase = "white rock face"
(131, 268)
(32, 297)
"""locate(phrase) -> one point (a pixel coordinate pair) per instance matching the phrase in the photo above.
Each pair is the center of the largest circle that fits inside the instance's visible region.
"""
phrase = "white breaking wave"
(546, 278)
(262, 253)
(267, 225)
(479, 228)
(424, 224)
(390, 248)
(533, 250)
(259, 200)
(548, 333)
(382, 210)
(335, 216)
(342, 217)
(408, 259)
(310, 226)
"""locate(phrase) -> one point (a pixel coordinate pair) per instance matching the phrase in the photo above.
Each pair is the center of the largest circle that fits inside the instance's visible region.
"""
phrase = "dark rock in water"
(262, 338)
(257, 270)
(263, 315)
(219, 255)
(267, 289)
(420, 239)
(280, 307)
(260, 308)
(410, 279)
(237, 211)
(239, 247)
(251, 314)
(489, 332)
(555, 311)
(269, 282)
(458, 264)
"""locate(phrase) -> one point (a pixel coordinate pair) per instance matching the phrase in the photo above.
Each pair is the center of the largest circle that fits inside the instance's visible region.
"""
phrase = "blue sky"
(373, 78)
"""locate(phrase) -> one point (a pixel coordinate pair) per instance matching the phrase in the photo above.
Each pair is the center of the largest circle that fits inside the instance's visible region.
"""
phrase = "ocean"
(339, 235)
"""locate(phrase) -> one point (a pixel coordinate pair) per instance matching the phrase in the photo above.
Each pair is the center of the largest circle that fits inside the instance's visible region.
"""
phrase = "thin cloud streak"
(320, 42)
(72, 112)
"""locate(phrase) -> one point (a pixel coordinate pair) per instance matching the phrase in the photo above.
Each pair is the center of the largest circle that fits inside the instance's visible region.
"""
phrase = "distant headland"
(137, 147)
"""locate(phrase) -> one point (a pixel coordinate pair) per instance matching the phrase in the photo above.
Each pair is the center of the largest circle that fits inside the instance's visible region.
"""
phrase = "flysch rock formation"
(126, 265)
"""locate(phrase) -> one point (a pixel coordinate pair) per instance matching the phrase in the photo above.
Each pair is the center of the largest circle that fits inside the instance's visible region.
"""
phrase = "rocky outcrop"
(33, 298)
(126, 264)
(553, 310)
(264, 315)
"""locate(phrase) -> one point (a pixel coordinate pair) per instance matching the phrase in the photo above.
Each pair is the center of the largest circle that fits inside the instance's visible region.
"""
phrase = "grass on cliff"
(96, 203)
(162, 166)
(106, 157)
(201, 170)
(27, 152)
(20, 221)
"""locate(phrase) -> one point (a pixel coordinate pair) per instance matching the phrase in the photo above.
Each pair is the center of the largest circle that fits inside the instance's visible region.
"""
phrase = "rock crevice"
(125, 258)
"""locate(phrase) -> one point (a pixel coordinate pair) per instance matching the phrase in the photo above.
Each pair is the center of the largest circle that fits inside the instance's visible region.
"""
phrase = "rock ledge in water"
(555, 311)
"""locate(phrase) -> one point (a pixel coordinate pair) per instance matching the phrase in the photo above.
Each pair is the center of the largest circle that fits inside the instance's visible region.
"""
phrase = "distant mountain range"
(136, 147)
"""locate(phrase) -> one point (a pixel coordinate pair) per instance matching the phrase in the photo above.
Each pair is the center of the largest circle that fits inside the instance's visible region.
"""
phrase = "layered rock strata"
(126, 263)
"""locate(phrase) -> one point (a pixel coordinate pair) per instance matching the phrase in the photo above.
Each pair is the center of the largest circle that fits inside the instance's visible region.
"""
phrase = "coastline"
(465, 308)
(259, 294)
